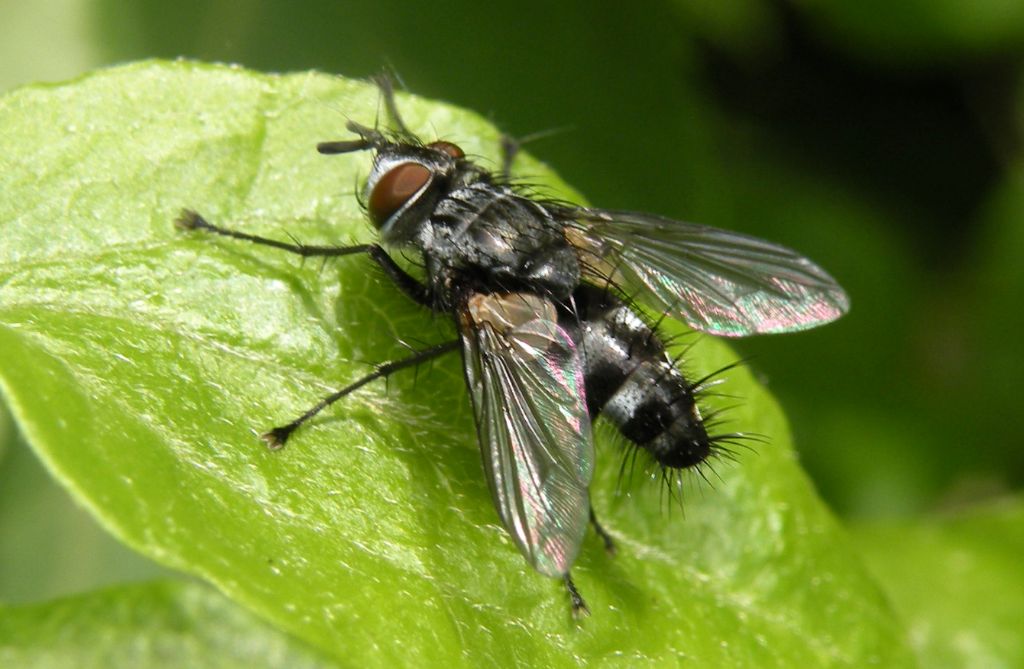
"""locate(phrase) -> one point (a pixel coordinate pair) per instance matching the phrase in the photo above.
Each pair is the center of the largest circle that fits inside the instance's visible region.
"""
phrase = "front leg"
(191, 220)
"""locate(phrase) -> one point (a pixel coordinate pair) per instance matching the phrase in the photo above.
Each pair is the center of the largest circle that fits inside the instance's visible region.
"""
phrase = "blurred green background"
(881, 139)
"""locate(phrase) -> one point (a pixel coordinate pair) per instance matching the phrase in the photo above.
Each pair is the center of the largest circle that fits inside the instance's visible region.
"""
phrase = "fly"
(549, 338)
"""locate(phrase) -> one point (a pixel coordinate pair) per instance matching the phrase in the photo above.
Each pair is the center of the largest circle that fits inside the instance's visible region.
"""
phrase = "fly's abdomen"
(631, 380)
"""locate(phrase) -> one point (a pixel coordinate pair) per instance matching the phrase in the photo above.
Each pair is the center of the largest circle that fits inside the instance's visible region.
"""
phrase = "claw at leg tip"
(187, 220)
(276, 438)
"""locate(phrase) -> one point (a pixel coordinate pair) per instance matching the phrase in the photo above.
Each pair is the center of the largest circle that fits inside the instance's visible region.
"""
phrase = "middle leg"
(277, 437)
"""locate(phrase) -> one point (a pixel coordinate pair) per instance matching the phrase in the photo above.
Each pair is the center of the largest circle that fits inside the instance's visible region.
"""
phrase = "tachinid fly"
(549, 339)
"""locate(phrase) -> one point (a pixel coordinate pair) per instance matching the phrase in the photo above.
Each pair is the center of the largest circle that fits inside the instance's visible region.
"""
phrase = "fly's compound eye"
(447, 148)
(396, 188)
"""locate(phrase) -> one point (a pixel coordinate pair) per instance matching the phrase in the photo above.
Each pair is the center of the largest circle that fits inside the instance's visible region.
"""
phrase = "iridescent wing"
(525, 375)
(722, 282)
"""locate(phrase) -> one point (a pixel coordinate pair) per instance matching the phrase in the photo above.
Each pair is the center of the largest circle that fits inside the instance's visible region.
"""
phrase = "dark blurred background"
(881, 139)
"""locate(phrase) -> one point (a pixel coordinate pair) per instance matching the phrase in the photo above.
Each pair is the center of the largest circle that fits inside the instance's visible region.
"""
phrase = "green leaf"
(162, 624)
(6, 432)
(49, 546)
(957, 582)
(141, 363)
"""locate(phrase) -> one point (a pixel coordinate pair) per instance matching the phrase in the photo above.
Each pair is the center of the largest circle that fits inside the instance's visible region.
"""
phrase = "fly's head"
(406, 181)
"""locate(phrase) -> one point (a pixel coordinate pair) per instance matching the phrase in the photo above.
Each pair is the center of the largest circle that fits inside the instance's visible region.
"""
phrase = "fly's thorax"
(504, 241)
(470, 229)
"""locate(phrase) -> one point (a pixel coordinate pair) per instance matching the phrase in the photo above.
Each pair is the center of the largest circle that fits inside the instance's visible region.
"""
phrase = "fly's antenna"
(368, 139)
(335, 147)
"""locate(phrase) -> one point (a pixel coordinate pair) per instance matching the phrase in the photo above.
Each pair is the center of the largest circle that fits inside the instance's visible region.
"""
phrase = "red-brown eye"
(453, 150)
(395, 188)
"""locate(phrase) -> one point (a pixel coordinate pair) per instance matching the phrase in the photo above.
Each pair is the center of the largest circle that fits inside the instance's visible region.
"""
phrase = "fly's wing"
(722, 282)
(526, 381)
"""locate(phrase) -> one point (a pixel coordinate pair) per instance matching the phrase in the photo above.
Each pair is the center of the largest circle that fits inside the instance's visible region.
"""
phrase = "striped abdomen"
(632, 381)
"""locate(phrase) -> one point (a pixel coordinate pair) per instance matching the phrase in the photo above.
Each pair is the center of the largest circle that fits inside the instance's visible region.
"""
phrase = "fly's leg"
(277, 437)
(609, 543)
(191, 220)
(387, 94)
(509, 148)
(579, 607)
